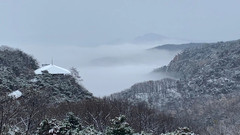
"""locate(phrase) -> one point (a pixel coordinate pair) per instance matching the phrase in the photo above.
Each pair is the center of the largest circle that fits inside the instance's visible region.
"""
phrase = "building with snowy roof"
(15, 94)
(52, 69)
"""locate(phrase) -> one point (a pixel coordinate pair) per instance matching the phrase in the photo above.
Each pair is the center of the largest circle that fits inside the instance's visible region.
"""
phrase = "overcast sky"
(96, 22)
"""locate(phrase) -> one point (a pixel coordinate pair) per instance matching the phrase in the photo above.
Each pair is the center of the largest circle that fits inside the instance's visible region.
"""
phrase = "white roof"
(15, 94)
(52, 69)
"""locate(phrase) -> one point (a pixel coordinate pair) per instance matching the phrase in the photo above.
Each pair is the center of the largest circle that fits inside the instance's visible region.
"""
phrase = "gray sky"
(96, 22)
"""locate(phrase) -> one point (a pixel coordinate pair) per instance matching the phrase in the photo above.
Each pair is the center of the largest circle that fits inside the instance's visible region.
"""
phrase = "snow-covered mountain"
(17, 74)
(205, 89)
(209, 69)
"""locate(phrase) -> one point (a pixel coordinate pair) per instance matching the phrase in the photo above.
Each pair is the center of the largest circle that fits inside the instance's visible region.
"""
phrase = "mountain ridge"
(177, 47)
(208, 82)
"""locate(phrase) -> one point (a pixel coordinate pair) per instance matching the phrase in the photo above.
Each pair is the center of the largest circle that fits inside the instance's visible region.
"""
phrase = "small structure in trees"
(52, 69)
(15, 94)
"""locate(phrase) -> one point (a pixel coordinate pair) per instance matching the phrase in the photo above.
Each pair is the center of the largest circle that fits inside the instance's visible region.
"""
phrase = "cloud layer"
(105, 69)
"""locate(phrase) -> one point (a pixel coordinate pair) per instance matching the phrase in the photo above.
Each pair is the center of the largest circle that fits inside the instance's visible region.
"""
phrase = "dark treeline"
(100, 112)
(26, 113)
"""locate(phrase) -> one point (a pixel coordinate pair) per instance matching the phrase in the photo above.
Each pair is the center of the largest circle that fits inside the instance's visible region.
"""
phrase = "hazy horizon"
(84, 23)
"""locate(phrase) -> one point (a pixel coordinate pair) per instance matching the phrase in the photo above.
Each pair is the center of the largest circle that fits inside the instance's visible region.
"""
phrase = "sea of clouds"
(105, 69)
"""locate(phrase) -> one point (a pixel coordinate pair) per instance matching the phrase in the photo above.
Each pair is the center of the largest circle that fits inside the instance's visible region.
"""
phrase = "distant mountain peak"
(149, 38)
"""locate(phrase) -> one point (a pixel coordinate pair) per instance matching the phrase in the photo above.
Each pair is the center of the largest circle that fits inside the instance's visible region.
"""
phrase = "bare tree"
(75, 74)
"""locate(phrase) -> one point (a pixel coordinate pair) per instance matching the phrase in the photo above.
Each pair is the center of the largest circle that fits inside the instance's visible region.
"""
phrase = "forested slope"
(205, 89)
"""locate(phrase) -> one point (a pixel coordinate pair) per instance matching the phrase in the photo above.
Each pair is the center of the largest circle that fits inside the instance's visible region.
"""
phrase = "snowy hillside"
(156, 93)
(206, 88)
(17, 73)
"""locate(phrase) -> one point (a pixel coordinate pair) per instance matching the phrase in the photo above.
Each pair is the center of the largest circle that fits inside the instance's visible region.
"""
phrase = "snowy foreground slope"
(206, 87)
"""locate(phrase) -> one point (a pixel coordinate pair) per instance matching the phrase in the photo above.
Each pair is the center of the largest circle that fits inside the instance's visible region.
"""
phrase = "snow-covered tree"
(75, 74)
(69, 126)
(181, 131)
(90, 130)
(119, 127)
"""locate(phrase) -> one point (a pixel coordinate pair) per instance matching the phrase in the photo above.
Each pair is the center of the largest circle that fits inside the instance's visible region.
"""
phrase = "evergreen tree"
(90, 130)
(69, 126)
(119, 127)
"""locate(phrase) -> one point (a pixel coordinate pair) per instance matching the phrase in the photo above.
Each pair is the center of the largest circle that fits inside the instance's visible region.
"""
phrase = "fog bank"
(104, 69)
